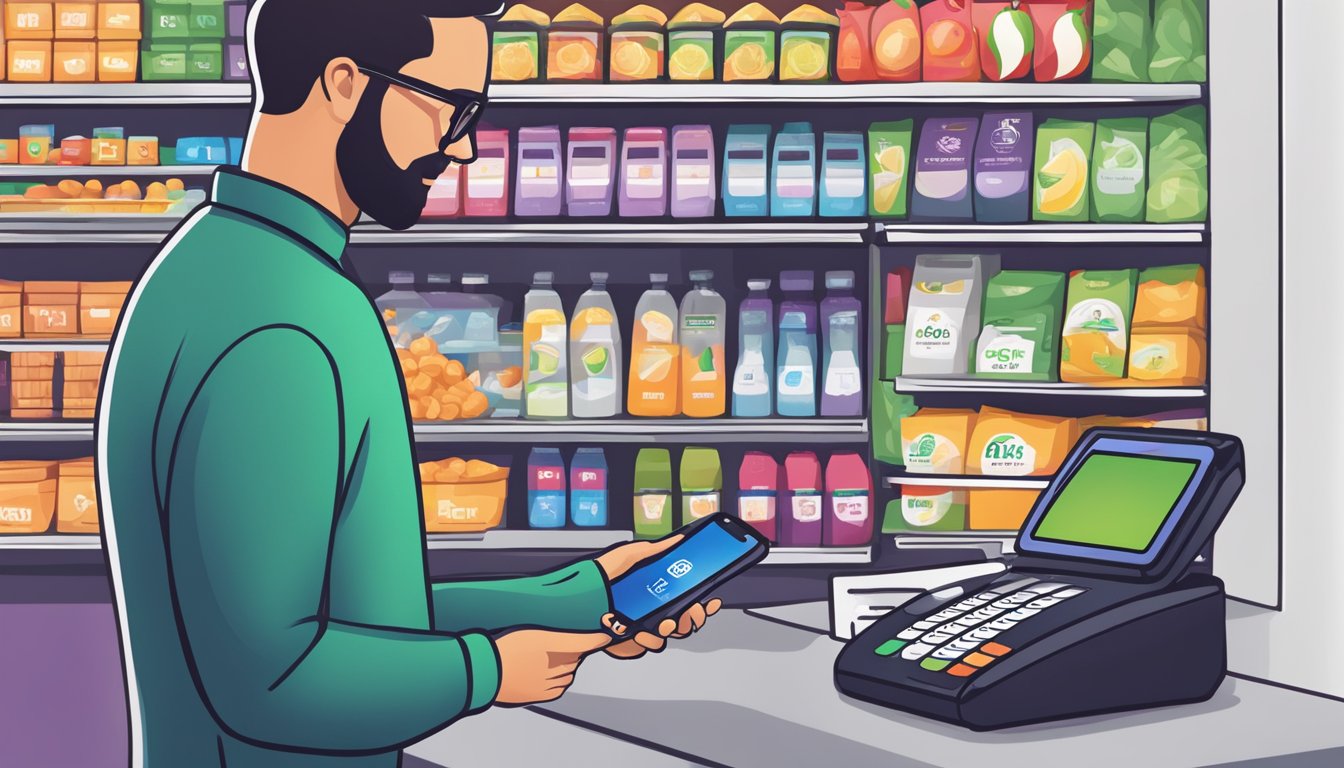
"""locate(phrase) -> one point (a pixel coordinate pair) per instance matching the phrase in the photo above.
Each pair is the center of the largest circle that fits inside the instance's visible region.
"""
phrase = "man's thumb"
(584, 642)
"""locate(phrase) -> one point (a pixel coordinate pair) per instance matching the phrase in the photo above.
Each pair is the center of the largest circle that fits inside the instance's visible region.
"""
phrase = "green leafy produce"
(1178, 163)
(1121, 30)
(1180, 42)
(1119, 169)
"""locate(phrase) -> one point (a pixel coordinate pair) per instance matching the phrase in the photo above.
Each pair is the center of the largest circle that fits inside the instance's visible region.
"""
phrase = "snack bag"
(1005, 443)
(1178, 167)
(574, 45)
(950, 50)
(693, 39)
(1062, 171)
(517, 44)
(943, 170)
(1168, 357)
(889, 145)
(896, 41)
(1003, 168)
(888, 412)
(749, 44)
(934, 440)
(1172, 297)
(928, 508)
(1021, 329)
(806, 39)
(1180, 42)
(999, 510)
(637, 44)
(1063, 38)
(1007, 39)
(1121, 30)
(1096, 327)
(1119, 169)
(853, 48)
(943, 314)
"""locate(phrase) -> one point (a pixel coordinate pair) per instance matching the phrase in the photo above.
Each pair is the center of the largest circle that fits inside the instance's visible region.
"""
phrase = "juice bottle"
(797, 358)
(752, 381)
(588, 488)
(800, 521)
(546, 377)
(654, 353)
(848, 519)
(398, 305)
(653, 493)
(842, 336)
(546, 488)
(703, 321)
(595, 347)
(701, 484)
(758, 492)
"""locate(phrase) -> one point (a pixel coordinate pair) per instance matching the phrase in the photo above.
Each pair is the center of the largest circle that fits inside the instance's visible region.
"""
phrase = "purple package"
(943, 170)
(236, 15)
(1003, 165)
(235, 62)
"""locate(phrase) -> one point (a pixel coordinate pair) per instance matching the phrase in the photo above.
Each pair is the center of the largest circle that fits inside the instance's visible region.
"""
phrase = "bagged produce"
(1005, 443)
(1063, 38)
(934, 440)
(928, 508)
(1180, 41)
(806, 39)
(749, 44)
(1021, 328)
(943, 170)
(943, 315)
(1121, 30)
(1119, 169)
(889, 144)
(950, 50)
(1007, 39)
(896, 41)
(1061, 171)
(518, 45)
(853, 47)
(891, 407)
(1003, 168)
(1178, 167)
(1096, 327)
(1172, 297)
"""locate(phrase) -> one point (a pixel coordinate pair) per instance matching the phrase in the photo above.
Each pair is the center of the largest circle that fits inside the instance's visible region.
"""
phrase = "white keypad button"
(916, 652)
(909, 634)
(948, 654)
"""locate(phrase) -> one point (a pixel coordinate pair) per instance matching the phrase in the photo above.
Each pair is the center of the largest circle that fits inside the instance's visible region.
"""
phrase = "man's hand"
(614, 564)
(538, 665)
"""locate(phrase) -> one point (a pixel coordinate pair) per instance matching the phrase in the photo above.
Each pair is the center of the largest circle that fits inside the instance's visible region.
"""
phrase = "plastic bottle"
(545, 351)
(435, 319)
(398, 305)
(801, 502)
(842, 337)
(753, 381)
(703, 325)
(546, 488)
(655, 356)
(653, 493)
(701, 484)
(848, 518)
(758, 483)
(588, 488)
(797, 358)
(595, 348)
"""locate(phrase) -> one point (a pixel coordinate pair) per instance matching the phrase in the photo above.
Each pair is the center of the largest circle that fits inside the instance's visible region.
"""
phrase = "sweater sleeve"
(253, 488)
(571, 598)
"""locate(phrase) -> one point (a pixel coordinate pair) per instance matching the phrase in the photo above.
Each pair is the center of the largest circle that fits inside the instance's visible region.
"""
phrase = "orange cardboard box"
(85, 358)
(100, 305)
(80, 390)
(32, 373)
(11, 313)
(118, 21)
(76, 497)
(80, 403)
(27, 496)
(29, 61)
(92, 373)
(28, 21)
(33, 359)
(118, 62)
(76, 21)
(78, 414)
(74, 62)
(32, 413)
(32, 390)
(4, 65)
(50, 308)
(999, 510)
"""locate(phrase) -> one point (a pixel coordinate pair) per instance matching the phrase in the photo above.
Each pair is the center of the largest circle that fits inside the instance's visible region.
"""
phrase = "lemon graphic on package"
(595, 360)
(514, 61)
(747, 62)
(1063, 179)
(655, 365)
(633, 60)
(659, 327)
(892, 161)
(575, 58)
(690, 62)
(803, 60)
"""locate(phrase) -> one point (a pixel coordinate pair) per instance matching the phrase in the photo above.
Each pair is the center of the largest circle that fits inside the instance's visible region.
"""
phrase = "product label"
(746, 179)
(931, 453)
(807, 506)
(547, 510)
(653, 504)
(751, 377)
(548, 479)
(1098, 316)
(921, 511)
(485, 178)
(1120, 171)
(756, 506)
(16, 514)
(700, 322)
(702, 503)
(796, 181)
(450, 510)
(850, 506)
(590, 507)
(844, 182)
(934, 331)
(1008, 454)
(1005, 353)
(538, 180)
(692, 180)
(590, 480)
(797, 380)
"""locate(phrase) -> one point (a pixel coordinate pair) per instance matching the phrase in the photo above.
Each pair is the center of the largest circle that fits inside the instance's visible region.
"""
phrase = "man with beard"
(264, 527)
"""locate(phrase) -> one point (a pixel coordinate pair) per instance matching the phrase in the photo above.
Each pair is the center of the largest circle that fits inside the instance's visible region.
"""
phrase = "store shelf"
(892, 233)
(845, 431)
(85, 171)
(828, 93)
(992, 386)
(45, 431)
(991, 543)
(124, 94)
(818, 556)
(707, 232)
(52, 542)
(53, 345)
(520, 540)
(965, 481)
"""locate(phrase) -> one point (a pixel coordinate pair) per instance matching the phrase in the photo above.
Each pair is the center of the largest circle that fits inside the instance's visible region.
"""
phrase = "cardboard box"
(235, 62)
(76, 21)
(32, 392)
(82, 403)
(999, 510)
(33, 359)
(78, 414)
(118, 21)
(74, 62)
(205, 61)
(164, 62)
(79, 390)
(9, 148)
(142, 150)
(108, 152)
(29, 61)
(206, 20)
(32, 372)
(50, 308)
(76, 497)
(82, 372)
(5, 394)
(29, 21)
(118, 62)
(83, 359)
(11, 309)
(100, 305)
(27, 496)
(46, 413)
(168, 20)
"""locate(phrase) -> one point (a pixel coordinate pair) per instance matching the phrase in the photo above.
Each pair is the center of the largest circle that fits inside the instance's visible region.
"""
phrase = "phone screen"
(681, 569)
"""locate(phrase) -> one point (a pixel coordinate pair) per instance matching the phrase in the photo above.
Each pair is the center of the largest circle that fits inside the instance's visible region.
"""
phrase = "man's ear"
(343, 84)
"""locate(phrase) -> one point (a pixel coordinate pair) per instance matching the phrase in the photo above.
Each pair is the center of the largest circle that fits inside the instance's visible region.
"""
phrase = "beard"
(392, 196)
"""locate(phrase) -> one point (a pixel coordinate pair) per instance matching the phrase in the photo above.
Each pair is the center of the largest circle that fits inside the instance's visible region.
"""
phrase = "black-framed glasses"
(468, 105)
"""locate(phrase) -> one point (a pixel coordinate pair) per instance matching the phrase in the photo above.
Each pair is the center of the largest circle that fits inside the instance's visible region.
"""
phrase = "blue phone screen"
(680, 570)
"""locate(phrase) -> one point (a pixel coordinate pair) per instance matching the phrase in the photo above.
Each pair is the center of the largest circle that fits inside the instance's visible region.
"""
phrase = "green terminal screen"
(1116, 502)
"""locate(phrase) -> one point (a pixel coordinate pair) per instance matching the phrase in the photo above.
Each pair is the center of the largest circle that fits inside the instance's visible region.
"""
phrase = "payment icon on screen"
(679, 568)
(658, 589)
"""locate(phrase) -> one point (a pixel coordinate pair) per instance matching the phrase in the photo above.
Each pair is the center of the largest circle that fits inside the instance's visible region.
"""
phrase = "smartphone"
(713, 551)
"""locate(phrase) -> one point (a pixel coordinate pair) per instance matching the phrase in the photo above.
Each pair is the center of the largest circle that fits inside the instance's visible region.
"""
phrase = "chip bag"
(1062, 179)
(889, 152)
(896, 41)
(637, 45)
(853, 48)
(1005, 443)
(928, 508)
(1096, 326)
(1063, 38)
(1007, 39)
(1178, 167)
(693, 40)
(934, 440)
(1172, 297)
(574, 45)
(749, 44)
(1021, 326)
(1119, 169)
(1168, 357)
(950, 50)
(1180, 42)
(1121, 31)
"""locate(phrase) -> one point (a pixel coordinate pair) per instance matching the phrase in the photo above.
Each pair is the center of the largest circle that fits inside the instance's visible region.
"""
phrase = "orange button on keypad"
(995, 649)
(961, 670)
(978, 659)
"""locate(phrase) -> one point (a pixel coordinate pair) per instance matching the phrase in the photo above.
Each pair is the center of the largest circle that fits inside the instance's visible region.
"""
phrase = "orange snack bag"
(951, 52)
(896, 34)
(853, 50)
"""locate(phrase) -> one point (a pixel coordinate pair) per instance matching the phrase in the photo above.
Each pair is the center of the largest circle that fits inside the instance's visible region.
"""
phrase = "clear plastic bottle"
(753, 388)
(704, 317)
(797, 359)
(546, 351)
(398, 306)
(842, 337)
(655, 356)
(595, 348)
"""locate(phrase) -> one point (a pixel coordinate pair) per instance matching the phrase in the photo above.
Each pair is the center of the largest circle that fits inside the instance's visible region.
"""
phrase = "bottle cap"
(543, 279)
(702, 275)
(658, 277)
(758, 284)
(440, 278)
(801, 280)
(475, 278)
(598, 278)
(401, 278)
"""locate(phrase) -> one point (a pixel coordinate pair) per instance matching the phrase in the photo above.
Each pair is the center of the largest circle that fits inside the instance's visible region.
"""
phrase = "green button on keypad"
(934, 665)
(889, 647)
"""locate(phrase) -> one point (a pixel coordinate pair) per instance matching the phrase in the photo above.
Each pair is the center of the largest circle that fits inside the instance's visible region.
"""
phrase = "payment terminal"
(1100, 612)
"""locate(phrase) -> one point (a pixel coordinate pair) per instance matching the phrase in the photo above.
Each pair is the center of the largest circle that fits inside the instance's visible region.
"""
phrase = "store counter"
(755, 689)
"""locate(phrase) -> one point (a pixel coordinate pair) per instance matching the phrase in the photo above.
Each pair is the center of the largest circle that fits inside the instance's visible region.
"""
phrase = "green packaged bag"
(1121, 30)
(1020, 338)
(167, 20)
(888, 165)
(164, 62)
(205, 61)
(923, 508)
(888, 410)
(1178, 167)
(893, 351)
(207, 19)
(1180, 42)
(1062, 175)
(1119, 170)
(1096, 327)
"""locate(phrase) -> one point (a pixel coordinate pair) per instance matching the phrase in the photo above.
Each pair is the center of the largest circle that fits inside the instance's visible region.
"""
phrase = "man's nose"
(462, 151)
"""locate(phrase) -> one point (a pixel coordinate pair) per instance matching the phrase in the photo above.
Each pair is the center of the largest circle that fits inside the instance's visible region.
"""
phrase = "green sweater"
(263, 516)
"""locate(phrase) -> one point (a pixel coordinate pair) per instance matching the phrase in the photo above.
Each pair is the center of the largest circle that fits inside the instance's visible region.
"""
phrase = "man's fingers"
(563, 681)
(667, 627)
(626, 650)
(713, 606)
(651, 641)
(609, 621)
(579, 642)
(691, 620)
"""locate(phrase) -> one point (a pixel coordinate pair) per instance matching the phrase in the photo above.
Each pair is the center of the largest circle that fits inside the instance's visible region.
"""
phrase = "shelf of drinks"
(45, 431)
(967, 481)
(892, 233)
(85, 171)
(53, 345)
(186, 94)
(991, 543)
(910, 385)
(708, 232)
(633, 430)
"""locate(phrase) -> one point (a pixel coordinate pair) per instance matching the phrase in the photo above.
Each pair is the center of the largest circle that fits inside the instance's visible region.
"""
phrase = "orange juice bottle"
(655, 354)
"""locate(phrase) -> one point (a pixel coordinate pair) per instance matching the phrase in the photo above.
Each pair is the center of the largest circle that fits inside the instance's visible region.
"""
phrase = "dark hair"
(293, 40)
